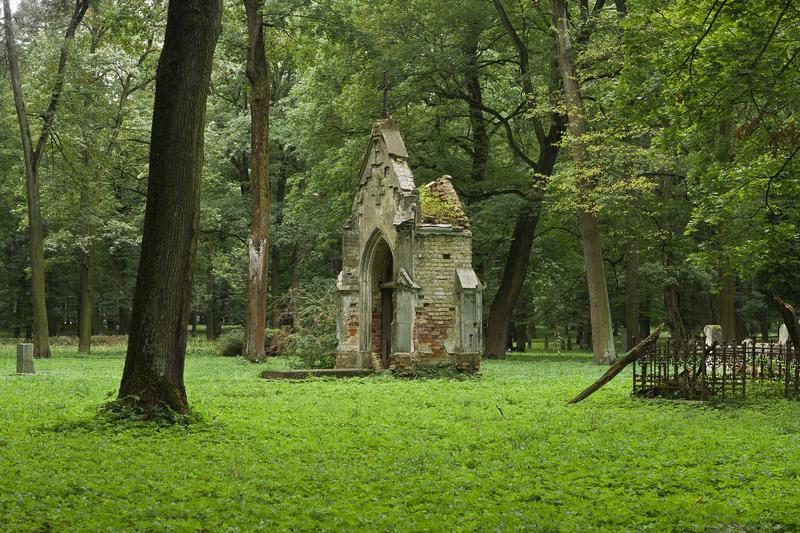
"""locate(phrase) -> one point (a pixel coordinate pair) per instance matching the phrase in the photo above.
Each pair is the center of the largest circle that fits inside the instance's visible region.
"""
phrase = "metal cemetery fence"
(694, 371)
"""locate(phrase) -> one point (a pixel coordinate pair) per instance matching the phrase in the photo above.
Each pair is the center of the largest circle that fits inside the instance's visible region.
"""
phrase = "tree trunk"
(631, 293)
(634, 354)
(644, 314)
(513, 277)
(727, 304)
(599, 307)
(86, 304)
(153, 374)
(123, 311)
(672, 308)
(789, 317)
(258, 242)
(211, 304)
(520, 337)
(480, 136)
(518, 258)
(124, 319)
(86, 308)
(275, 262)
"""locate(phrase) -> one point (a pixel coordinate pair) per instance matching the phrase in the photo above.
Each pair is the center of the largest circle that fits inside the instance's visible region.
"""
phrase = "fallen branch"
(790, 319)
(617, 367)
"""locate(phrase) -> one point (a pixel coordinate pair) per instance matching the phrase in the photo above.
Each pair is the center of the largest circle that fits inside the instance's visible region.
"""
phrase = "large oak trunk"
(153, 374)
(258, 242)
(599, 308)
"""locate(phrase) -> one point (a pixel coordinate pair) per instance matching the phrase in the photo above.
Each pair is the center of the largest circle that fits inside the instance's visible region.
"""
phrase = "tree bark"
(631, 292)
(32, 157)
(599, 307)
(258, 242)
(153, 374)
(789, 317)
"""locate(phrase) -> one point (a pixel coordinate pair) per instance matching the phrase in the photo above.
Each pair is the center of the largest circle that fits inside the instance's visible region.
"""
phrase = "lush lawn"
(500, 453)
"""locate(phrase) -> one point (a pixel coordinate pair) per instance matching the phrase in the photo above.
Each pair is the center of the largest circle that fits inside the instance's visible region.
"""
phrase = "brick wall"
(436, 257)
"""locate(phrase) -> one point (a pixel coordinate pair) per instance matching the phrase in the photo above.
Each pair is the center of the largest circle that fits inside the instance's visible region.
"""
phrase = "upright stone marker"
(713, 334)
(783, 335)
(25, 359)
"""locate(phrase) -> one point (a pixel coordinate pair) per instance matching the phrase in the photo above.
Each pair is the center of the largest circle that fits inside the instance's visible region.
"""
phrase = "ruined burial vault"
(407, 294)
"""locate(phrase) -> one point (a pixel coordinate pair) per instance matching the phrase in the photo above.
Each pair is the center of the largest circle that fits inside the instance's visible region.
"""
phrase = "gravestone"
(783, 335)
(25, 359)
(713, 334)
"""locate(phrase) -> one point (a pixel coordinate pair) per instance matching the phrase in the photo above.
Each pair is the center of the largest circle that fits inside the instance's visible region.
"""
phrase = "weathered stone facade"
(407, 294)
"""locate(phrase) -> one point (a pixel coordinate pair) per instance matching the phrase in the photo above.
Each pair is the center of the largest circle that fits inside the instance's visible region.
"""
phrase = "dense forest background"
(691, 118)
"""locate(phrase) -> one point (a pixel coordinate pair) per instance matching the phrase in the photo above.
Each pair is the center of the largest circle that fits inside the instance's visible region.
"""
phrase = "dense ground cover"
(501, 452)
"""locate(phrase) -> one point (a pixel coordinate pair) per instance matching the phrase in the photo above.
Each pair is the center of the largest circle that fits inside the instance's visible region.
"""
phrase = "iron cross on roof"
(385, 86)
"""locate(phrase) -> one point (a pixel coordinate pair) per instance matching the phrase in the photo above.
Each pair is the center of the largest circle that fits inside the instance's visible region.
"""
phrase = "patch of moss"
(439, 204)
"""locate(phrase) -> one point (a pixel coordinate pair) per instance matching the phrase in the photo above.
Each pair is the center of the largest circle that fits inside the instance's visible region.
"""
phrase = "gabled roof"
(385, 132)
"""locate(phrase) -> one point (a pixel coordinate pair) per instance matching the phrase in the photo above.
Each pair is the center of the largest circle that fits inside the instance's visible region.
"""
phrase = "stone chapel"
(407, 296)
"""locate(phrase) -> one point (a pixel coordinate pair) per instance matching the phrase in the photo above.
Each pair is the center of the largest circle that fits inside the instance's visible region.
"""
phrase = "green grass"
(502, 452)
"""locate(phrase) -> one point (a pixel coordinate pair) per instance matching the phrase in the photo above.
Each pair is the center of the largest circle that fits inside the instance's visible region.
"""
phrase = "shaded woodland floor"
(502, 452)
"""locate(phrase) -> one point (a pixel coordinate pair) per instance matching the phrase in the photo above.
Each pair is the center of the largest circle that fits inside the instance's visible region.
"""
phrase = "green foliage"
(231, 343)
(313, 342)
(311, 351)
(502, 452)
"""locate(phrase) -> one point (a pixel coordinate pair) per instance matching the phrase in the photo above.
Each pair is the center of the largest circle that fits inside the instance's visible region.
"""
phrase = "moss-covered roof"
(439, 204)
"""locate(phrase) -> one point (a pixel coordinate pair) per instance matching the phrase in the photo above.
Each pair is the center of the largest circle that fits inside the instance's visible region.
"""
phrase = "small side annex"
(407, 294)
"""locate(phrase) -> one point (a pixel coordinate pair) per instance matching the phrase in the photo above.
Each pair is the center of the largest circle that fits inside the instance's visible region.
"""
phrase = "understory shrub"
(231, 343)
(313, 342)
(311, 351)
(275, 344)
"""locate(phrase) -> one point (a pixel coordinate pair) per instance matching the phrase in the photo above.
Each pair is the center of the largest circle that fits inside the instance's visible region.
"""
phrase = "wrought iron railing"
(693, 371)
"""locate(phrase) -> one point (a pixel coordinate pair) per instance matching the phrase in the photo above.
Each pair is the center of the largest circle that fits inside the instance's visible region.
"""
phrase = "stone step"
(317, 372)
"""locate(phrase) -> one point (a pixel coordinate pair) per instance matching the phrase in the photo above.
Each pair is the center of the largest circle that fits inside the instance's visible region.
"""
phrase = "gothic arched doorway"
(377, 288)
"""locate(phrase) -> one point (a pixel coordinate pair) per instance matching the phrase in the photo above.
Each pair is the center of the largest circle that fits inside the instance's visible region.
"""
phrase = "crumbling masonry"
(407, 294)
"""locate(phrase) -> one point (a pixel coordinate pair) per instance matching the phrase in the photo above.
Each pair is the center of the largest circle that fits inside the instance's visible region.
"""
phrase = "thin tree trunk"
(632, 355)
(86, 308)
(631, 292)
(644, 313)
(86, 305)
(727, 304)
(480, 136)
(258, 242)
(600, 310)
(672, 308)
(153, 374)
(275, 264)
(211, 303)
